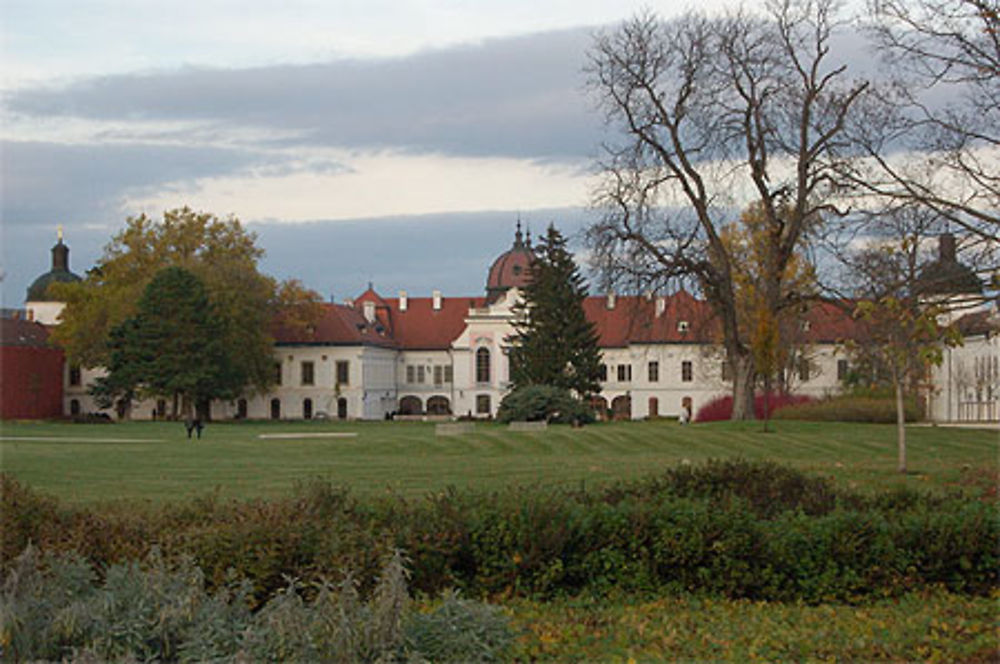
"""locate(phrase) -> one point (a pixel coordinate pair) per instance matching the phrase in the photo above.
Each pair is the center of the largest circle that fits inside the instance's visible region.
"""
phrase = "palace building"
(376, 356)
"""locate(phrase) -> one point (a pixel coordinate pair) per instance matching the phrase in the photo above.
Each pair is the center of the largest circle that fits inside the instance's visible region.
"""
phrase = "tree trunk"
(743, 381)
(900, 426)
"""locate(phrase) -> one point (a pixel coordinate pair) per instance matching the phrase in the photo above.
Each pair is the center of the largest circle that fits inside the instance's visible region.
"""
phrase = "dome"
(946, 276)
(511, 269)
(38, 291)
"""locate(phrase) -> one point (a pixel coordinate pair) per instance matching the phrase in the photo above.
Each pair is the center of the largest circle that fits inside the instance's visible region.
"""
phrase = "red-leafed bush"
(721, 408)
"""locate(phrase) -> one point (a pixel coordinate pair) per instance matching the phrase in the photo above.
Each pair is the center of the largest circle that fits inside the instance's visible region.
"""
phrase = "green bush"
(732, 528)
(544, 403)
(849, 408)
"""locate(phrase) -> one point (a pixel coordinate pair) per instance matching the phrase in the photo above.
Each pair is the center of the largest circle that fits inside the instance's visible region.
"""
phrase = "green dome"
(38, 291)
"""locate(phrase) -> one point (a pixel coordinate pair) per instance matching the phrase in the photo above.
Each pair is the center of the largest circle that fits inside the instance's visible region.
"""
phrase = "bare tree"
(714, 113)
(932, 133)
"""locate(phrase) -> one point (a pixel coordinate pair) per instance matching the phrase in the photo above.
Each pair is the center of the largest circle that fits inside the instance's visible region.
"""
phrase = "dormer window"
(806, 325)
(682, 326)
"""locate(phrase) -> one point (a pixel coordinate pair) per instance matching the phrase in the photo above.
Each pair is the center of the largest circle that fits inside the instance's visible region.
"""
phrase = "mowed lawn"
(155, 461)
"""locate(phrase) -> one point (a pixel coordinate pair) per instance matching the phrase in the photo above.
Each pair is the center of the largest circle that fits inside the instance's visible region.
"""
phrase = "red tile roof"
(20, 332)
(340, 325)
(632, 320)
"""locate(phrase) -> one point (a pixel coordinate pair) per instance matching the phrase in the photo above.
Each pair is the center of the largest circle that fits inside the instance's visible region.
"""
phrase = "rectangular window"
(74, 375)
(803, 369)
(727, 370)
(841, 369)
(483, 404)
(421, 373)
(448, 377)
(602, 373)
(438, 375)
(654, 372)
(624, 373)
(308, 370)
(277, 373)
(343, 372)
(687, 371)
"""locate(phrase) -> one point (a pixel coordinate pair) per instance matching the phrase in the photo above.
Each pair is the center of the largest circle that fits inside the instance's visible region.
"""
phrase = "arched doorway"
(307, 409)
(410, 405)
(275, 409)
(241, 409)
(438, 405)
(654, 407)
(342, 408)
(621, 407)
(74, 407)
(687, 406)
(600, 406)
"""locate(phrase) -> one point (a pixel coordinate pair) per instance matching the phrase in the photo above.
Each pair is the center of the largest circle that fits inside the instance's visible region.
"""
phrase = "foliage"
(733, 529)
(553, 342)
(918, 626)
(172, 347)
(720, 408)
(221, 253)
(544, 403)
(849, 408)
(55, 608)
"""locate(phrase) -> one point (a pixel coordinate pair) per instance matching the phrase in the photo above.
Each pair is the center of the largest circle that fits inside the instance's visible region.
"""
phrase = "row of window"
(417, 374)
(307, 373)
(624, 372)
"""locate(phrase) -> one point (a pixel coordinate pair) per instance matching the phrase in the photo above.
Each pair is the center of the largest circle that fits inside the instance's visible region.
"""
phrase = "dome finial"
(59, 233)
(518, 238)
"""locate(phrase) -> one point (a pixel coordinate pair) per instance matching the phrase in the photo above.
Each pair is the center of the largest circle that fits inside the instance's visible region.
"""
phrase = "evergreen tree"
(173, 347)
(554, 343)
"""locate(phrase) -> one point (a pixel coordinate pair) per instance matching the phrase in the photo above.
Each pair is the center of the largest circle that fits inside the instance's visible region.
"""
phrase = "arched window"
(307, 409)
(410, 405)
(622, 407)
(483, 365)
(74, 407)
(438, 405)
(275, 409)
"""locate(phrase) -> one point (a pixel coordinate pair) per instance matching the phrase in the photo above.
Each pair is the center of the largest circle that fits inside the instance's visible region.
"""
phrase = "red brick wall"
(31, 382)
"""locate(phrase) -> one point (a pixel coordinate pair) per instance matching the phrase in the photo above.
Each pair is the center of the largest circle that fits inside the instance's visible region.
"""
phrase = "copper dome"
(511, 269)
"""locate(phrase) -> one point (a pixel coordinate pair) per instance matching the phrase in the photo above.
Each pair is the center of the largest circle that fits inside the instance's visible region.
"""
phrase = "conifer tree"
(172, 347)
(554, 343)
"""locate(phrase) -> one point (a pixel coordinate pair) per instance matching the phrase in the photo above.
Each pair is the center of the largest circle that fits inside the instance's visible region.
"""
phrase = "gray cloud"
(48, 183)
(519, 97)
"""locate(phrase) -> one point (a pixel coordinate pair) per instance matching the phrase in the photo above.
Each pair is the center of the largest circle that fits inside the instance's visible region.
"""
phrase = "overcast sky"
(364, 140)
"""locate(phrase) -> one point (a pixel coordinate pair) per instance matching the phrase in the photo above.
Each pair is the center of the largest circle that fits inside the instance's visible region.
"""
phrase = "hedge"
(736, 529)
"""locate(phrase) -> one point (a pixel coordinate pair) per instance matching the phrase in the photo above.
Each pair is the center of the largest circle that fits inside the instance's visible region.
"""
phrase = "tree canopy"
(554, 343)
(220, 253)
(172, 347)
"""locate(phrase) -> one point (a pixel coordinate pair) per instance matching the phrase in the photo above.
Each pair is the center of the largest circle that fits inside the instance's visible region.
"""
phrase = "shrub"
(849, 408)
(721, 408)
(535, 403)
(53, 609)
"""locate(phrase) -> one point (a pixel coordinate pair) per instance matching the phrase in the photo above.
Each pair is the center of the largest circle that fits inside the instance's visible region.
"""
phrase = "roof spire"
(59, 233)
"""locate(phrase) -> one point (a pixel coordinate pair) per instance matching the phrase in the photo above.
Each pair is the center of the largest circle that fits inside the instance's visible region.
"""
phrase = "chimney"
(369, 309)
(403, 302)
(946, 248)
(661, 305)
(611, 301)
(437, 300)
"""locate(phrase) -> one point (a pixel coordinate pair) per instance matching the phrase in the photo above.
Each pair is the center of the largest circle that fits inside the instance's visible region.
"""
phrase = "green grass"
(155, 461)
